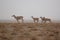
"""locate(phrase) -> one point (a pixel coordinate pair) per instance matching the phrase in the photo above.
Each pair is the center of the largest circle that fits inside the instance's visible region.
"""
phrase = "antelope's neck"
(14, 16)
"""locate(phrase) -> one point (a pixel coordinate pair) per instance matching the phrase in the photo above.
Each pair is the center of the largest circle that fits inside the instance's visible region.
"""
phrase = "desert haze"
(25, 21)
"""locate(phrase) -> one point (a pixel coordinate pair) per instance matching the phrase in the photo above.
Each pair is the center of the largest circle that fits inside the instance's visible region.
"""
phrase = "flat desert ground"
(29, 31)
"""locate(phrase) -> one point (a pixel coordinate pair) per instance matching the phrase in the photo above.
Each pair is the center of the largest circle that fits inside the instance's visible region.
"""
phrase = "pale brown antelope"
(18, 18)
(45, 19)
(35, 19)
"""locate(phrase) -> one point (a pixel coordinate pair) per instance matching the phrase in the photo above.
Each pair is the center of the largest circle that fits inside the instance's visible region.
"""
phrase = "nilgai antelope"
(18, 18)
(35, 19)
(45, 19)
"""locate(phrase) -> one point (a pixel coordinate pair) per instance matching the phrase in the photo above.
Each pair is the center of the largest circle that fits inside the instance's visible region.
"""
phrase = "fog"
(28, 8)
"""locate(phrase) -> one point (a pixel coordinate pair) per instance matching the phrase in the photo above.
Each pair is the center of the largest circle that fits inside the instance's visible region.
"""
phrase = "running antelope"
(35, 19)
(45, 19)
(18, 18)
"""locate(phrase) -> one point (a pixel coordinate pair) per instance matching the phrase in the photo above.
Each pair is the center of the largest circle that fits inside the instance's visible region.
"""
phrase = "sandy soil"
(29, 31)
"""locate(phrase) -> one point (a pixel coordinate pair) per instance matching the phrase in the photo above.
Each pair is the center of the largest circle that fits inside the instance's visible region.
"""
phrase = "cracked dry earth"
(29, 31)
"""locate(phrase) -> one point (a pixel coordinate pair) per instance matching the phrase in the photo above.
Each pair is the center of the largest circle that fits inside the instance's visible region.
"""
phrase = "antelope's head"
(41, 17)
(13, 15)
(32, 16)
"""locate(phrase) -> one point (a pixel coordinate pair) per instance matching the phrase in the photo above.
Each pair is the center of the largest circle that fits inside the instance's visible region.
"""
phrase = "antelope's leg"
(37, 20)
(42, 21)
(22, 20)
(34, 21)
(45, 21)
(17, 21)
(50, 21)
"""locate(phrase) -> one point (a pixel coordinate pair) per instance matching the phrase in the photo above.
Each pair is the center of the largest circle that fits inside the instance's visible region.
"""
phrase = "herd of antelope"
(34, 19)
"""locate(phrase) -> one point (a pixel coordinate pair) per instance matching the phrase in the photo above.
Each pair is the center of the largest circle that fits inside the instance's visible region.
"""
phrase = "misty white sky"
(28, 8)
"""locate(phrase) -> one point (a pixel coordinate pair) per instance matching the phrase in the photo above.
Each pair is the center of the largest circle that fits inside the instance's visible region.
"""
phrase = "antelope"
(35, 19)
(45, 19)
(18, 18)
